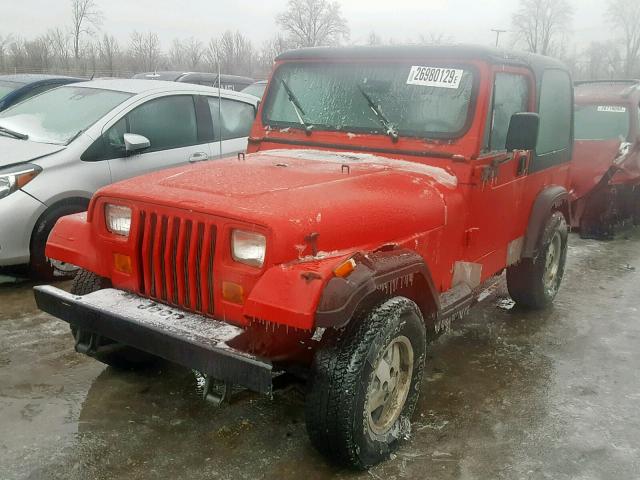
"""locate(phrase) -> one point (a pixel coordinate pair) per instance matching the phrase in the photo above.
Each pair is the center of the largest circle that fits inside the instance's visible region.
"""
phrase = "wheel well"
(79, 202)
(417, 290)
(552, 199)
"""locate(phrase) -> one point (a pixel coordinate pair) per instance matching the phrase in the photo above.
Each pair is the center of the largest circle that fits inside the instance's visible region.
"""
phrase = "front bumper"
(188, 339)
(19, 213)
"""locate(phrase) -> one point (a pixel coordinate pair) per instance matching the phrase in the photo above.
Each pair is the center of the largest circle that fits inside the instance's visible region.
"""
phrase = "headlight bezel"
(118, 219)
(252, 240)
(16, 177)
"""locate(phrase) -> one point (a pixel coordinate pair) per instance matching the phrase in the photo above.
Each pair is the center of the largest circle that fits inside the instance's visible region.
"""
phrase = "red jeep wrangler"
(383, 187)
(605, 172)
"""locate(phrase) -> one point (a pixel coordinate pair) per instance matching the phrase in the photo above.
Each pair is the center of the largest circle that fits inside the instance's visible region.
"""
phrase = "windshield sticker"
(435, 77)
(612, 109)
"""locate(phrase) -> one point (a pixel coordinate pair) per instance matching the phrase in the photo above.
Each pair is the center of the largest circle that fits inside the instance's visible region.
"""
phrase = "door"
(232, 121)
(171, 126)
(493, 236)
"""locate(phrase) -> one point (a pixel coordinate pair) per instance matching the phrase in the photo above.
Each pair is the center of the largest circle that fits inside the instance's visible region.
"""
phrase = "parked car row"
(228, 82)
(59, 147)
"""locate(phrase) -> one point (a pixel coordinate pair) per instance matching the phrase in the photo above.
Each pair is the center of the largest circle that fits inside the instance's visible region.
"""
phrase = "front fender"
(378, 275)
(308, 295)
(72, 241)
(288, 294)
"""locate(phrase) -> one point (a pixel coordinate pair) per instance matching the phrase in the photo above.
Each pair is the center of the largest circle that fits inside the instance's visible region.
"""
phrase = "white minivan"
(58, 148)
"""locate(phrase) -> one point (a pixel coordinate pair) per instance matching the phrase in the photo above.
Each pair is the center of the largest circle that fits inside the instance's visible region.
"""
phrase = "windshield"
(601, 122)
(427, 100)
(7, 87)
(57, 116)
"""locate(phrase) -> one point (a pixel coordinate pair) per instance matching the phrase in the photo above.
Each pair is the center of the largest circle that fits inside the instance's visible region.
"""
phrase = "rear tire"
(534, 282)
(365, 385)
(115, 355)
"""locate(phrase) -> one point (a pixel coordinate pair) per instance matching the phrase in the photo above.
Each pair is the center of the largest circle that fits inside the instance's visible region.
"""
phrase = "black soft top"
(537, 63)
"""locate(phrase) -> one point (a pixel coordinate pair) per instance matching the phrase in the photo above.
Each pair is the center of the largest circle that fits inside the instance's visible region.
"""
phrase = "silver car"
(58, 148)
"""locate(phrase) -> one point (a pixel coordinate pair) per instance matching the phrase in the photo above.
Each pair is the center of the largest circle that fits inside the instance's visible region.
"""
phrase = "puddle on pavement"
(507, 394)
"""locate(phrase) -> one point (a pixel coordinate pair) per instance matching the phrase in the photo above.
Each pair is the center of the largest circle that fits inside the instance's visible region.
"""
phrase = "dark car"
(15, 88)
(256, 89)
(228, 82)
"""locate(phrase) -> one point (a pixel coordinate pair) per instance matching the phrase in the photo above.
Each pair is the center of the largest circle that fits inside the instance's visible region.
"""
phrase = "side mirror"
(523, 131)
(135, 143)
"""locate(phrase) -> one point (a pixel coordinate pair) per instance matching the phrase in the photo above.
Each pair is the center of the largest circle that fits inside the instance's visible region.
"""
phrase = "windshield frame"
(606, 103)
(269, 97)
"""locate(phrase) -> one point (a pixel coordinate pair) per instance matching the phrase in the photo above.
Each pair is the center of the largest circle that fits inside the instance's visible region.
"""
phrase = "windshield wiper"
(297, 107)
(384, 121)
(79, 132)
(13, 133)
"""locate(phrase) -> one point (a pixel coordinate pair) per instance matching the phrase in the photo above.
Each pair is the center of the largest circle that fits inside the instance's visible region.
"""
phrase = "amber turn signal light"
(122, 263)
(232, 292)
(345, 268)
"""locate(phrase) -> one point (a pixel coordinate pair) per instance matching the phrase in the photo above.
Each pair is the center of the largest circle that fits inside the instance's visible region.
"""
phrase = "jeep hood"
(345, 197)
(14, 151)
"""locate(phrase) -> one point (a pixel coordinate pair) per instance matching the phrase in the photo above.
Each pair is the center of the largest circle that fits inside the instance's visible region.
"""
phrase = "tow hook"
(86, 342)
(216, 391)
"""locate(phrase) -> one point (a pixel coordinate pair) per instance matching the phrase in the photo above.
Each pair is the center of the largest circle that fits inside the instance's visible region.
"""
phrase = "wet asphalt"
(509, 394)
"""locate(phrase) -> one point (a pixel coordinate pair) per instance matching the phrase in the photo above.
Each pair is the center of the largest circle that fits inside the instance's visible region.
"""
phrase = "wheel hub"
(389, 386)
(552, 264)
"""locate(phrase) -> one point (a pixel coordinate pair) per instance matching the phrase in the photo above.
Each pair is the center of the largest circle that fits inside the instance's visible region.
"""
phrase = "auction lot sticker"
(438, 77)
(612, 109)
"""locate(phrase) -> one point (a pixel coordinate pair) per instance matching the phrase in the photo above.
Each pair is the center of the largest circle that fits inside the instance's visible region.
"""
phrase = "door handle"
(198, 157)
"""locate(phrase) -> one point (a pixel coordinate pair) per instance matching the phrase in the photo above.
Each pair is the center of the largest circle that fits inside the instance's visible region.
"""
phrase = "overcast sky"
(468, 21)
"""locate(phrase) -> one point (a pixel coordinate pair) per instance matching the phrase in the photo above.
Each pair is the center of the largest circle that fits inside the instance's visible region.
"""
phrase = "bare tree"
(540, 22)
(176, 54)
(5, 41)
(84, 14)
(310, 23)
(233, 51)
(625, 16)
(145, 50)
(17, 53)
(374, 39)
(61, 46)
(435, 39)
(38, 54)
(193, 51)
(108, 52)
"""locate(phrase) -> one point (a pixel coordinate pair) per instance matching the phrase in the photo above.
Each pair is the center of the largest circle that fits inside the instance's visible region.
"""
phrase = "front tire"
(365, 385)
(534, 282)
(112, 354)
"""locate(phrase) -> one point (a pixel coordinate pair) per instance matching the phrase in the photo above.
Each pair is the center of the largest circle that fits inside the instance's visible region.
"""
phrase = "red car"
(605, 172)
(384, 186)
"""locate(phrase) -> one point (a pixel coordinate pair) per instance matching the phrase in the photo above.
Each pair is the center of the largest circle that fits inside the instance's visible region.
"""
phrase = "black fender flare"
(378, 275)
(552, 198)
